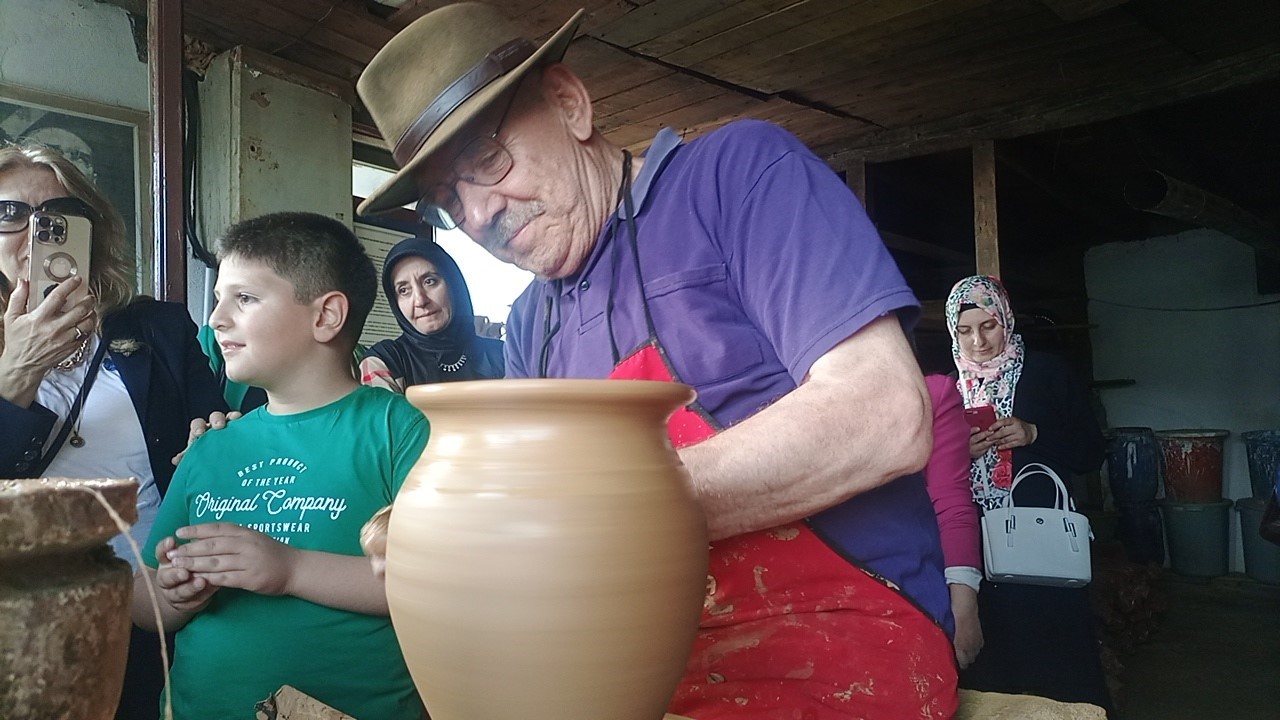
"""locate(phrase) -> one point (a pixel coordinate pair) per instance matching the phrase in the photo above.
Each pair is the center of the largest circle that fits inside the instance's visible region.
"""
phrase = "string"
(124, 528)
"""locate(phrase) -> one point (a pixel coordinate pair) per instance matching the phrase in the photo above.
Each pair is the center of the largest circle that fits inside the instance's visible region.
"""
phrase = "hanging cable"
(190, 149)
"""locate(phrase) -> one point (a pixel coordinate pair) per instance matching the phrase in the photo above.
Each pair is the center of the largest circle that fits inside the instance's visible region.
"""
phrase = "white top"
(114, 445)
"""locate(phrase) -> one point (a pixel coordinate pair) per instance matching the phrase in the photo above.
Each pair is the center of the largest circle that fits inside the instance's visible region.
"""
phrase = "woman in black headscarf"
(432, 305)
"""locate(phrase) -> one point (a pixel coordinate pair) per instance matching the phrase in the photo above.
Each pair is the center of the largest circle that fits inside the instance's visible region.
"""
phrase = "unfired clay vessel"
(545, 557)
(64, 598)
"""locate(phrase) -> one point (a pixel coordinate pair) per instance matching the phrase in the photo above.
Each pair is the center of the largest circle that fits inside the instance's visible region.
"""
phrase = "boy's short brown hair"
(316, 253)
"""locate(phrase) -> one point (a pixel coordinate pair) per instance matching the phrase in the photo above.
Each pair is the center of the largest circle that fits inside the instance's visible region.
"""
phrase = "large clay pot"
(64, 598)
(545, 558)
(1192, 464)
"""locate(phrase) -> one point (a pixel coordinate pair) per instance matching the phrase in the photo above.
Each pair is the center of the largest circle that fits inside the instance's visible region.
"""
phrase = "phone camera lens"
(44, 221)
(42, 236)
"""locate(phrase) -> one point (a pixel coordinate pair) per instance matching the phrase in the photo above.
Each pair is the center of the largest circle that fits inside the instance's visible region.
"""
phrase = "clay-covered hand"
(229, 555)
(979, 442)
(964, 606)
(36, 341)
(373, 539)
(200, 426)
(1011, 432)
(183, 591)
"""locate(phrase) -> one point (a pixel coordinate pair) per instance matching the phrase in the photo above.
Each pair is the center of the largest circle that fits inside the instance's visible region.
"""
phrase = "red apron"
(790, 629)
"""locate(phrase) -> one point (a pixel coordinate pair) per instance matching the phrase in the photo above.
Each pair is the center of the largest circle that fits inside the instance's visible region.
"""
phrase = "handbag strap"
(91, 373)
(1062, 500)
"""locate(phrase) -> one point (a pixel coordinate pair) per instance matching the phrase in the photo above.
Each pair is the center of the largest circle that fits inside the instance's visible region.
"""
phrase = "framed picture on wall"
(110, 144)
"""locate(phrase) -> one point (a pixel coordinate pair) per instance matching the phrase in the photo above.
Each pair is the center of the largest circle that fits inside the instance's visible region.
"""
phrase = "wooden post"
(164, 66)
(855, 176)
(985, 238)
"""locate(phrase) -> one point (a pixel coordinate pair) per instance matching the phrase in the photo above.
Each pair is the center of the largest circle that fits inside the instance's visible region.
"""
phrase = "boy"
(257, 558)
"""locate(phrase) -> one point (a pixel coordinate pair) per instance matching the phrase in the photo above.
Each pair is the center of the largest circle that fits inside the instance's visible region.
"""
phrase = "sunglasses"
(15, 215)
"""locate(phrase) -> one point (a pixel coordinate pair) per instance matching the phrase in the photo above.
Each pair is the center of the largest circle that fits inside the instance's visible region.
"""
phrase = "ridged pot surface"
(545, 557)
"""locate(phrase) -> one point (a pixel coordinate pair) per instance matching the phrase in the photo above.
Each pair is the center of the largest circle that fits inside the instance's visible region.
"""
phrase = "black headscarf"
(452, 353)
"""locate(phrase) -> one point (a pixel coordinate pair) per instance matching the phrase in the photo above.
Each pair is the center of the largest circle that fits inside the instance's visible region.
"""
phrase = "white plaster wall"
(76, 48)
(1181, 316)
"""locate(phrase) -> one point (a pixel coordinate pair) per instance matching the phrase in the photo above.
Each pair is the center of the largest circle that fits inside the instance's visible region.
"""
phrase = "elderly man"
(737, 263)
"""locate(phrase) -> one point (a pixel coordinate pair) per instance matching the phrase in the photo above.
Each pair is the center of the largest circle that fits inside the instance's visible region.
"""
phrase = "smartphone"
(981, 417)
(58, 250)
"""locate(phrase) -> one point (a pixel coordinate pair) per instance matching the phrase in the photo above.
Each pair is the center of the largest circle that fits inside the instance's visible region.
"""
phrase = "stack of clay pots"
(1261, 558)
(1196, 516)
(1133, 473)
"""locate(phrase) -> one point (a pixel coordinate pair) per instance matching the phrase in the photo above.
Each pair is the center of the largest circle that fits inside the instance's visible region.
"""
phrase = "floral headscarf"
(992, 382)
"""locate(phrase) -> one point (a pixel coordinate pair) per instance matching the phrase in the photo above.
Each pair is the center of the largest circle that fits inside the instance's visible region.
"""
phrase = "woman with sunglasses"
(93, 384)
(432, 305)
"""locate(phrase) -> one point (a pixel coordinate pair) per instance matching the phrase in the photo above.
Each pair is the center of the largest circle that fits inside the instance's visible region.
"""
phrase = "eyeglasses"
(15, 215)
(483, 161)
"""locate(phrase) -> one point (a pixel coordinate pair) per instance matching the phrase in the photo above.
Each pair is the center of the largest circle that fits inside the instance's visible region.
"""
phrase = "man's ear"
(332, 309)
(564, 90)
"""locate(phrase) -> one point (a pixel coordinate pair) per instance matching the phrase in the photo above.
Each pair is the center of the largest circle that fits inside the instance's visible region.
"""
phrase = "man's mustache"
(507, 223)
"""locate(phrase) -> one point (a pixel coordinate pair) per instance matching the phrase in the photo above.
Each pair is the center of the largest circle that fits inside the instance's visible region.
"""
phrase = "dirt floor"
(1215, 654)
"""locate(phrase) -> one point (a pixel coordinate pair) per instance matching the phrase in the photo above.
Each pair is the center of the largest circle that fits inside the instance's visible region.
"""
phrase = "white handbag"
(1037, 545)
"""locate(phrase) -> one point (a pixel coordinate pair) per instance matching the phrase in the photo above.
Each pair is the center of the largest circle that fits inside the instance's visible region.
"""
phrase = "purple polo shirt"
(756, 260)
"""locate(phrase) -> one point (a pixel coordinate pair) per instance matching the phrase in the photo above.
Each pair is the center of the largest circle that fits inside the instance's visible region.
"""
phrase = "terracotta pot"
(545, 557)
(64, 598)
(1192, 464)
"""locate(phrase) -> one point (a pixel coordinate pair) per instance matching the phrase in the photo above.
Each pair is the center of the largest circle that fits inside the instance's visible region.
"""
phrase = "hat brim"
(401, 189)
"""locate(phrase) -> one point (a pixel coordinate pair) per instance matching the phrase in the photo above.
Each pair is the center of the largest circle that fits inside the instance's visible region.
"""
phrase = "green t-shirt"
(310, 480)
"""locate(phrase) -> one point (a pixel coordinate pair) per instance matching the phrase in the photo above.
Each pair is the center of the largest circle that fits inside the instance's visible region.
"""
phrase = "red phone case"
(981, 417)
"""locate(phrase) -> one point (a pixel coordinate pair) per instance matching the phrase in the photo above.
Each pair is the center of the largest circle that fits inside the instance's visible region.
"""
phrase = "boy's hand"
(200, 426)
(228, 555)
(182, 590)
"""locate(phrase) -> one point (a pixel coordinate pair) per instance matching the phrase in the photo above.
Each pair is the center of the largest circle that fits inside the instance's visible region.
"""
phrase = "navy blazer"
(167, 376)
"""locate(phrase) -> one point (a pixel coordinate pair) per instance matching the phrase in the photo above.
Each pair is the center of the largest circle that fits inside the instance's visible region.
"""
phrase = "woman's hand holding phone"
(987, 431)
(39, 339)
(980, 420)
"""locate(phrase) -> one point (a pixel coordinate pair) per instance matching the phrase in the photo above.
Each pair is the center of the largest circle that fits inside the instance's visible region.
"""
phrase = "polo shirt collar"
(655, 159)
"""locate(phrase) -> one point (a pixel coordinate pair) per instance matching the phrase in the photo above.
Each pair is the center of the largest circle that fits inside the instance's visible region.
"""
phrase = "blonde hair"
(111, 271)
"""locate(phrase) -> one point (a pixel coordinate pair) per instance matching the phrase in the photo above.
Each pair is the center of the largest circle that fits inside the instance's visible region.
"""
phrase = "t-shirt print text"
(265, 497)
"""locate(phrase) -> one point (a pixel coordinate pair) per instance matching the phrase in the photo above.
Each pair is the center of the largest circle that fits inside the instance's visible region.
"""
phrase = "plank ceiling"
(1078, 94)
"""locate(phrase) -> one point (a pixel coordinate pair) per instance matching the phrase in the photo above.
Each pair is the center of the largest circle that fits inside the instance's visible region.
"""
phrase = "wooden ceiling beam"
(924, 249)
(1033, 115)
(1072, 10)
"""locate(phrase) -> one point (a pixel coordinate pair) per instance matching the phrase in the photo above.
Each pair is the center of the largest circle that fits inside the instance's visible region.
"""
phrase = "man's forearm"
(861, 419)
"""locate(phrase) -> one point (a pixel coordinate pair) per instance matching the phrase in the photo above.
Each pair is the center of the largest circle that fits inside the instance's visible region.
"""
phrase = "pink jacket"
(947, 476)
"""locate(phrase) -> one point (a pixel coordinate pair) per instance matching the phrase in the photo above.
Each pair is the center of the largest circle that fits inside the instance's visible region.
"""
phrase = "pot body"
(545, 557)
(64, 598)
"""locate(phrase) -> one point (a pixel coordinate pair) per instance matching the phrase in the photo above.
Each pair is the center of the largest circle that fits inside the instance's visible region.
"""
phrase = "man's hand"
(200, 426)
(185, 592)
(229, 555)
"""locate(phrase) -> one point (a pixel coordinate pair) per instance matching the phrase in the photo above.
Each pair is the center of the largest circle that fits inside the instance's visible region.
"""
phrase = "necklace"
(454, 366)
(74, 405)
(75, 358)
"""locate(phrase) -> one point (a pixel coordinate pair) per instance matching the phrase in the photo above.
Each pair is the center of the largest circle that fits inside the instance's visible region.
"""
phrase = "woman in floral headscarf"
(1038, 640)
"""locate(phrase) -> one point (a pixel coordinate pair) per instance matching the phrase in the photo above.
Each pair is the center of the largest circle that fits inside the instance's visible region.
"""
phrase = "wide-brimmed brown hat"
(439, 73)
